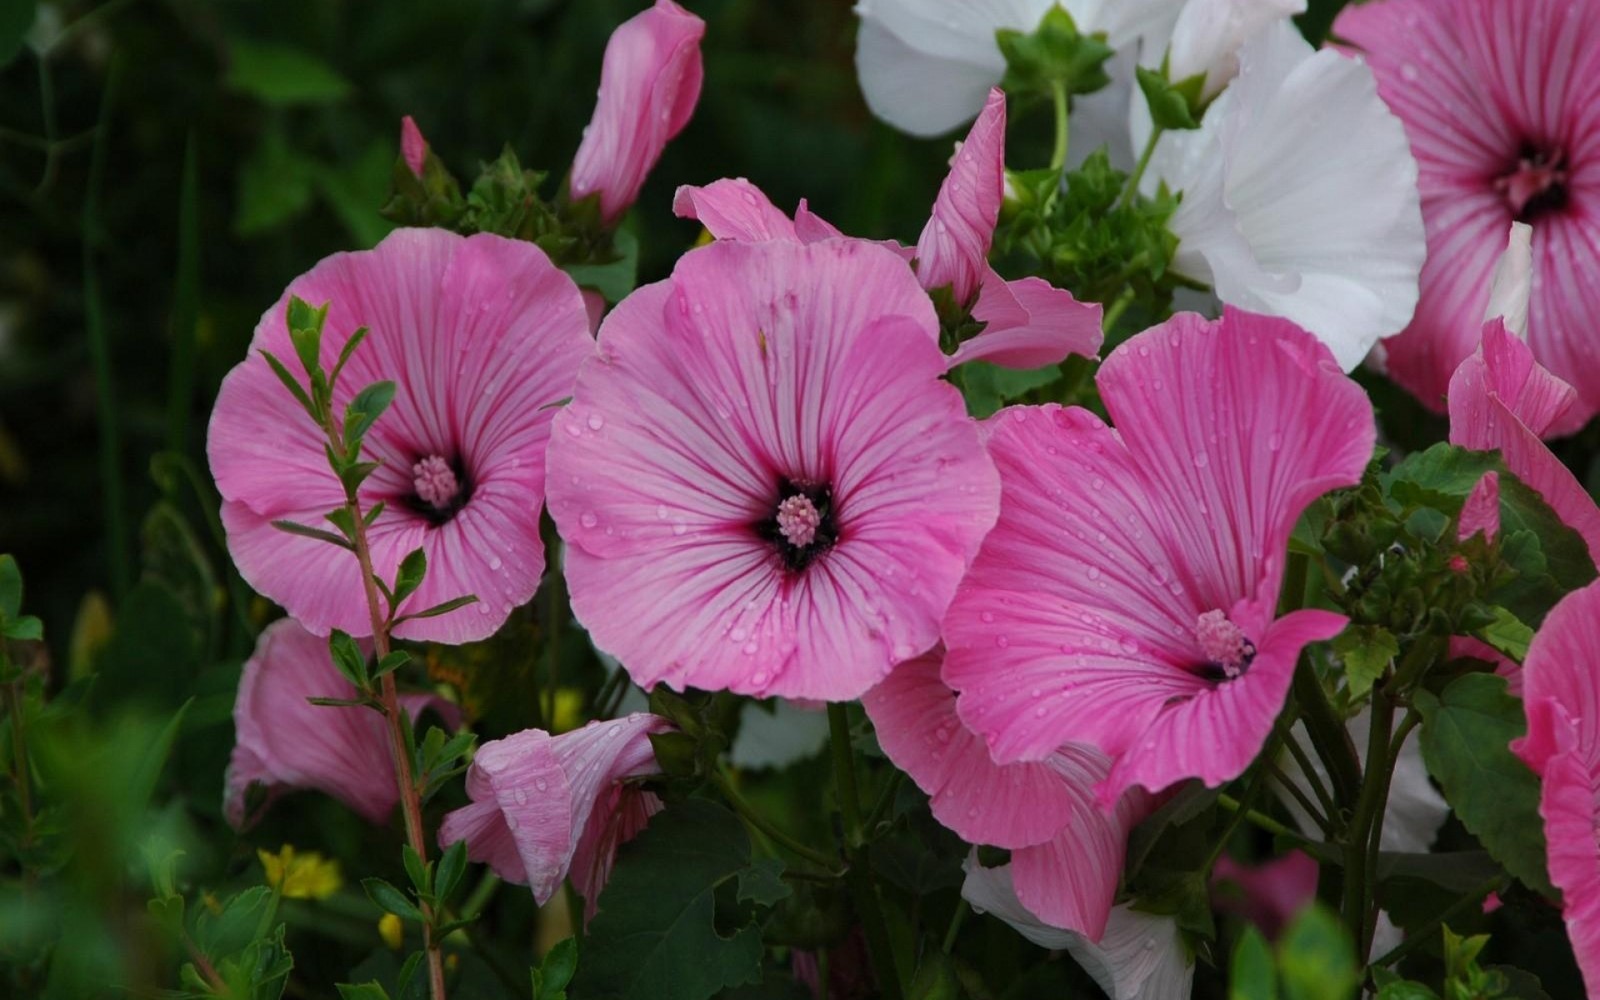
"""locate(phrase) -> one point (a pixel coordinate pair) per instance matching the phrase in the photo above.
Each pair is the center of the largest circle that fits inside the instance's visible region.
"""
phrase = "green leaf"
(1316, 959)
(390, 899)
(655, 935)
(1172, 106)
(1466, 732)
(10, 587)
(347, 656)
(346, 352)
(16, 17)
(1254, 975)
(551, 976)
(280, 75)
(763, 882)
(413, 568)
(305, 531)
(26, 627)
(439, 609)
(366, 408)
(393, 661)
(274, 186)
(1054, 53)
(355, 189)
(614, 279)
(988, 387)
(1507, 633)
(1367, 651)
(416, 871)
(289, 382)
(452, 866)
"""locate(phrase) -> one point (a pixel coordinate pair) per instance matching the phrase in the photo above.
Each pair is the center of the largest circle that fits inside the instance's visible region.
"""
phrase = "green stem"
(1139, 168)
(858, 877)
(1294, 792)
(1267, 823)
(1328, 735)
(1368, 815)
(1421, 935)
(1058, 156)
(956, 920)
(753, 816)
(1320, 790)
(1117, 308)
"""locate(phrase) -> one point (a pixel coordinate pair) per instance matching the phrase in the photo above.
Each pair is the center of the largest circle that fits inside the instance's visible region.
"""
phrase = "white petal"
(957, 30)
(1140, 956)
(1101, 118)
(1512, 281)
(1300, 196)
(918, 93)
(1209, 33)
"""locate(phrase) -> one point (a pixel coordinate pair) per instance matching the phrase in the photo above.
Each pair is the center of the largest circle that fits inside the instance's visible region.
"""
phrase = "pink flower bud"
(649, 84)
(412, 145)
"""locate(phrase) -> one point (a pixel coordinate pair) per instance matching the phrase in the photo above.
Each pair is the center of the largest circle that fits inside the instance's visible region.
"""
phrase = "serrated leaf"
(280, 75)
(1466, 736)
(390, 899)
(655, 936)
(1316, 959)
(1507, 633)
(1367, 651)
(763, 882)
(1254, 975)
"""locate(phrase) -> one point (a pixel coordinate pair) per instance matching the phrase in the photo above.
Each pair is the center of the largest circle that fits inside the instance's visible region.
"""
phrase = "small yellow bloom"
(301, 876)
(391, 930)
(568, 714)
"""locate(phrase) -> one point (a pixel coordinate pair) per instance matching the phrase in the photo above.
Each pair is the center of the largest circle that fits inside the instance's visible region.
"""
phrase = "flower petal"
(953, 249)
(733, 209)
(1030, 324)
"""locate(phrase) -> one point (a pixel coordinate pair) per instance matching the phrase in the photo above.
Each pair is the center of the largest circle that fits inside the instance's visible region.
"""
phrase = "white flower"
(1139, 957)
(1512, 281)
(1209, 33)
(1300, 195)
(927, 65)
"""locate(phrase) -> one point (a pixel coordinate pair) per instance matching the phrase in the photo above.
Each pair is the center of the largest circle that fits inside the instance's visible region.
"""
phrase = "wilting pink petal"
(284, 742)
(412, 145)
(1500, 398)
(1066, 852)
(1562, 698)
(480, 335)
(1125, 598)
(1481, 512)
(764, 484)
(1501, 103)
(543, 806)
(1139, 956)
(1269, 894)
(649, 83)
(953, 250)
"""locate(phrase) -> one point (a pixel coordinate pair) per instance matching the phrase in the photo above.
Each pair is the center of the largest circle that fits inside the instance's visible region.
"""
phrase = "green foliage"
(1172, 105)
(1367, 651)
(1055, 54)
(1313, 960)
(1466, 734)
(283, 75)
(551, 976)
(660, 932)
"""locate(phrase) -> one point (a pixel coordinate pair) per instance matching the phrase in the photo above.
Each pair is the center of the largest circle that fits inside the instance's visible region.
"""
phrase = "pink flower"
(1126, 597)
(1501, 102)
(1563, 747)
(412, 145)
(1066, 854)
(1027, 323)
(1269, 894)
(481, 335)
(649, 84)
(285, 742)
(1500, 398)
(545, 807)
(763, 482)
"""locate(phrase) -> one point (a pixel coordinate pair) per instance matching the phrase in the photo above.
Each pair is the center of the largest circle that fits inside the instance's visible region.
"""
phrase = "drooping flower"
(480, 334)
(1309, 216)
(649, 84)
(548, 807)
(284, 742)
(1141, 956)
(1501, 102)
(1027, 323)
(1562, 700)
(1502, 399)
(1126, 598)
(1066, 853)
(762, 481)
(926, 65)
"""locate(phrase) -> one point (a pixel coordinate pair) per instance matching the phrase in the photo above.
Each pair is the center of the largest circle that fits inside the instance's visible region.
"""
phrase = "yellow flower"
(301, 876)
(391, 930)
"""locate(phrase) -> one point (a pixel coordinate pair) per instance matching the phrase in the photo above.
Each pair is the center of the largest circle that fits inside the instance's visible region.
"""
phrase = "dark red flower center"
(1227, 650)
(439, 488)
(1536, 183)
(802, 525)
